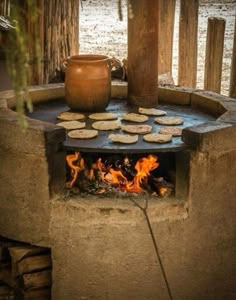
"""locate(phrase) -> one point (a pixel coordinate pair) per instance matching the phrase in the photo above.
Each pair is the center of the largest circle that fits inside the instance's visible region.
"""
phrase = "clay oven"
(94, 240)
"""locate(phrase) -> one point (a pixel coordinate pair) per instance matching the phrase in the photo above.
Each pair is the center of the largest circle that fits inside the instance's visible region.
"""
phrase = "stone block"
(41, 93)
(210, 137)
(229, 104)
(31, 140)
(208, 102)
(119, 89)
(228, 117)
(174, 94)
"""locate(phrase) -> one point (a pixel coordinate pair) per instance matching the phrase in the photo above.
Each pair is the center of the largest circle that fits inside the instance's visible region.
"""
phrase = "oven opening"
(123, 175)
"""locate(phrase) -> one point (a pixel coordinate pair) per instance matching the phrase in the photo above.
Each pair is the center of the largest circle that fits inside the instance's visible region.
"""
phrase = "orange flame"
(76, 166)
(143, 167)
(111, 176)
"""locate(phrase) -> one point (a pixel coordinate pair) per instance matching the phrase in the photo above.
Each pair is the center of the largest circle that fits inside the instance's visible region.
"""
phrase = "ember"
(100, 175)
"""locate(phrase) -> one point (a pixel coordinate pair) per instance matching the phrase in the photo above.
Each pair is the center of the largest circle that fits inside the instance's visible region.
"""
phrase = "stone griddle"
(49, 110)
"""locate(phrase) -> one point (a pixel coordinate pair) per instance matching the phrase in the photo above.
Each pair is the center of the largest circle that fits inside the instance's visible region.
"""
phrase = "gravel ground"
(102, 32)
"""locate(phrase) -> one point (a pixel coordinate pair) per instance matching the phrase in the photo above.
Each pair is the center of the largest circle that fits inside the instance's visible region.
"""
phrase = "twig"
(144, 210)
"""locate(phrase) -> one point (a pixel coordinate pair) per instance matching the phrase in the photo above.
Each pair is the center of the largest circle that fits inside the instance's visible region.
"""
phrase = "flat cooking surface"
(48, 111)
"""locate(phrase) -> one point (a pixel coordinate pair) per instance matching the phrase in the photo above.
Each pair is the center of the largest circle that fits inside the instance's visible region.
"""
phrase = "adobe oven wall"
(102, 249)
(108, 253)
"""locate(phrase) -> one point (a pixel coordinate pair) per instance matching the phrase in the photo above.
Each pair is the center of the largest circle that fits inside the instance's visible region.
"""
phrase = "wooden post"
(142, 53)
(232, 88)
(188, 26)
(166, 32)
(214, 54)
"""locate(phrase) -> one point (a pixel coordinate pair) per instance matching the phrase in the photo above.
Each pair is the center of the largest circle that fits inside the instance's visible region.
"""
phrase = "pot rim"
(85, 58)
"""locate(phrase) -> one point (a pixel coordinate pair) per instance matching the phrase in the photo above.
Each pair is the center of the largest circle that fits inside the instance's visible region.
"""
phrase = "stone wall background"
(102, 32)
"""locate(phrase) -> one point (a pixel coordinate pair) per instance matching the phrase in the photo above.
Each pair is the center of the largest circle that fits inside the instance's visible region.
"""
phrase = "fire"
(143, 167)
(76, 166)
(113, 175)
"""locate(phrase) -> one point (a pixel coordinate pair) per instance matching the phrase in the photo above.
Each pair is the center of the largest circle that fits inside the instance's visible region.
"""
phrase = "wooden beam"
(188, 28)
(142, 53)
(166, 33)
(214, 54)
(232, 88)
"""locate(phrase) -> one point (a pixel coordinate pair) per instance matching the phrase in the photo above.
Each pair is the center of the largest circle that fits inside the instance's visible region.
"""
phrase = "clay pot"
(87, 82)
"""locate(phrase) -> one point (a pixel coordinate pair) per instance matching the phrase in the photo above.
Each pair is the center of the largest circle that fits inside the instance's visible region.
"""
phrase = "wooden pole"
(214, 54)
(232, 89)
(188, 27)
(142, 53)
(166, 33)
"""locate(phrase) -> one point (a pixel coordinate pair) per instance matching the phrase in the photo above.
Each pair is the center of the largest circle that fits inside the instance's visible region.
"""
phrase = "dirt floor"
(102, 32)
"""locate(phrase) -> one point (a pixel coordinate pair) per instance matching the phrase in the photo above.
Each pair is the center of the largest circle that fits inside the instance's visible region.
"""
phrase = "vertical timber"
(188, 28)
(232, 89)
(143, 53)
(214, 54)
(165, 34)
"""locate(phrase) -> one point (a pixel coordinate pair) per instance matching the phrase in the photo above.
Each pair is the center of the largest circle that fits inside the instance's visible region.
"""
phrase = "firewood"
(6, 274)
(4, 290)
(34, 263)
(38, 294)
(163, 187)
(6, 293)
(21, 252)
(36, 280)
(18, 253)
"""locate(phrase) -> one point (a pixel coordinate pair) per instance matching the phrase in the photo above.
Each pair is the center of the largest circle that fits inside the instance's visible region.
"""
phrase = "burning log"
(118, 173)
(163, 188)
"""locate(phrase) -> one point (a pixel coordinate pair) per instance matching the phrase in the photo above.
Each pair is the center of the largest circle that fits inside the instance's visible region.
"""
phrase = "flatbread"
(72, 124)
(83, 134)
(70, 116)
(123, 138)
(157, 138)
(141, 129)
(175, 131)
(169, 120)
(132, 117)
(106, 125)
(103, 116)
(151, 111)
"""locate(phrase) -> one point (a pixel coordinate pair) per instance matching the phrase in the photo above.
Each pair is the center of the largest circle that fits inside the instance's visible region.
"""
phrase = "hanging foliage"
(19, 41)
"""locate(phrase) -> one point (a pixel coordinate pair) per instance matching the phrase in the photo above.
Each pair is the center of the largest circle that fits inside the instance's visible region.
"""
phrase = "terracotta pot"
(87, 82)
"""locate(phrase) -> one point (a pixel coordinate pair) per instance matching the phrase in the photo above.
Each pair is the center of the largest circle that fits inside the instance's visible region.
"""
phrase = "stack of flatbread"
(69, 125)
(151, 111)
(157, 138)
(106, 125)
(70, 116)
(123, 138)
(139, 129)
(169, 120)
(103, 116)
(132, 117)
(175, 131)
(83, 134)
